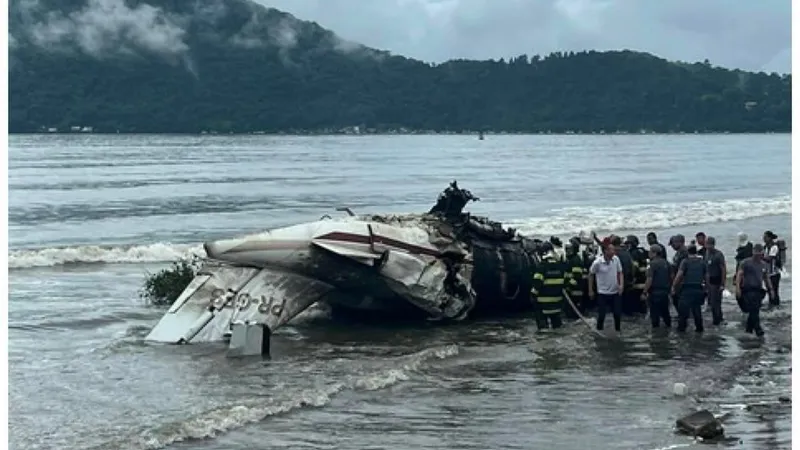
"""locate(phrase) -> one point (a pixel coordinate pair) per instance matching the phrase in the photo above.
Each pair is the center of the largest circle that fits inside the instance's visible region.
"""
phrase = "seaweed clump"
(165, 286)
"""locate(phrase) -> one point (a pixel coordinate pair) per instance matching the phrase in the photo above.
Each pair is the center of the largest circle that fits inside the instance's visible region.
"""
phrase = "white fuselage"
(291, 248)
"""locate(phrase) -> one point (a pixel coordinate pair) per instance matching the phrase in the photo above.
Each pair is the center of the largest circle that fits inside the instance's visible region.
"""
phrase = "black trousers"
(659, 309)
(691, 303)
(752, 300)
(632, 301)
(715, 302)
(604, 302)
(776, 281)
(554, 320)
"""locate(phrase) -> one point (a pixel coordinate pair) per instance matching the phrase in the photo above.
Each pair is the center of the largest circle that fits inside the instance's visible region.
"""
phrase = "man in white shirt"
(606, 271)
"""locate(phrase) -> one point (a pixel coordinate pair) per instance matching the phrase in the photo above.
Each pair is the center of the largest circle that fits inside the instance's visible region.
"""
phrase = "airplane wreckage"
(443, 265)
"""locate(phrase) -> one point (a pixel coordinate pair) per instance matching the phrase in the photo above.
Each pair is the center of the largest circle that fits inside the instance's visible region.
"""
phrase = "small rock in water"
(701, 424)
(680, 389)
(785, 399)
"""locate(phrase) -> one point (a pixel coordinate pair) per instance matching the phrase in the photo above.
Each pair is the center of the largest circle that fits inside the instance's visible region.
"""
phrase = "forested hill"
(235, 66)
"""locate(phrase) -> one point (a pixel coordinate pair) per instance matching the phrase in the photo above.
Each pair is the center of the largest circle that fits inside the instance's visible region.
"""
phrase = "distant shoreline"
(421, 133)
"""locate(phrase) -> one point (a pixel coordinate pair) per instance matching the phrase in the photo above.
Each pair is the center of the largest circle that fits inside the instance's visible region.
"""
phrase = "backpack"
(780, 261)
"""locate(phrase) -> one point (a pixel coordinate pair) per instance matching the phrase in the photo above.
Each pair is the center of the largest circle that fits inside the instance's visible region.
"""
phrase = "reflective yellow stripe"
(553, 281)
(638, 286)
(576, 293)
(551, 311)
(538, 276)
(549, 299)
(577, 270)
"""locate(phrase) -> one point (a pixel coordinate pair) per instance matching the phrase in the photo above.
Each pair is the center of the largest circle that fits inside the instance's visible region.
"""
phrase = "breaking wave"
(560, 221)
(96, 254)
(224, 419)
(651, 216)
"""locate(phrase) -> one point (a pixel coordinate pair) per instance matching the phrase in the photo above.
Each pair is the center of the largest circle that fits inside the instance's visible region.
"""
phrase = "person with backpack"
(774, 265)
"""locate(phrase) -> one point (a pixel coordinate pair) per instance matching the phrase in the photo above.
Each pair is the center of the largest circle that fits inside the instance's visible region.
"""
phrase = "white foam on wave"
(651, 216)
(89, 254)
(221, 420)
(558, 221)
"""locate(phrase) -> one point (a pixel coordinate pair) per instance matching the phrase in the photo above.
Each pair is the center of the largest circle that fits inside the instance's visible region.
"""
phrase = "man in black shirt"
(629, 297)
(690, 282)
(717, 274)
(700, 238)
(751, 278)
(743, 251)
(656, 288)
(678, 243)
(652, 239)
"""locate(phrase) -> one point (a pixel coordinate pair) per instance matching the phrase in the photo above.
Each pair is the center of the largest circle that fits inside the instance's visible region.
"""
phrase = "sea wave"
(561, 221)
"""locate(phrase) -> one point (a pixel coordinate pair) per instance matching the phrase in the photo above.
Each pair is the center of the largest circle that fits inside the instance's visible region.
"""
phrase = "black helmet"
(555, 241)
(632, 240)
(545, 247)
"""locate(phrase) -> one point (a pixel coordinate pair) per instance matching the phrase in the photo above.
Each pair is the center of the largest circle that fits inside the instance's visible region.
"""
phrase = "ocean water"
(90, 215)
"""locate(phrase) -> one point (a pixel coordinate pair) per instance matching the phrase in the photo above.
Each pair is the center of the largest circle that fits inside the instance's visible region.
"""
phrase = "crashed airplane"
(443, 265)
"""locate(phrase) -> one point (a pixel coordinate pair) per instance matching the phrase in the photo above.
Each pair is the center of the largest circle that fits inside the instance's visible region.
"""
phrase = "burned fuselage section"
(444, 265)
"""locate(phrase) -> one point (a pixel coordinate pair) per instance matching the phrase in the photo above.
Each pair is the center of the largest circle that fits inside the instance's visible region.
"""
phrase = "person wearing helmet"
(576, 271)
(549, 282)
(558, 248)
(640, 262)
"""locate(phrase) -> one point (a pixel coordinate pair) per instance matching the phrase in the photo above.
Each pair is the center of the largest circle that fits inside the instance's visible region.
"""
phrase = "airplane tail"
(222, 295)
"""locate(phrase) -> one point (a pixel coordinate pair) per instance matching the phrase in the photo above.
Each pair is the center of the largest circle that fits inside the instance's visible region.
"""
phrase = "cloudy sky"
(747, 34)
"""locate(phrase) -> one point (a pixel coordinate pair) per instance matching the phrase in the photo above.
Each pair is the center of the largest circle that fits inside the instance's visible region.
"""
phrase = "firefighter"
(640, 262)
(589, 254)
(578, 277)
(549, 281)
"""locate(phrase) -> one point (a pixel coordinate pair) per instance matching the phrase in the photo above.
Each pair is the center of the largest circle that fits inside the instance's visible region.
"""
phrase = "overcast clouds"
(748, 34)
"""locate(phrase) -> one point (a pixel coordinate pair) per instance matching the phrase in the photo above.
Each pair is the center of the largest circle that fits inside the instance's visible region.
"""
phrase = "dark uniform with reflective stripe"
(549, 281)
(588, 258)
(640, 263)
(578, 287)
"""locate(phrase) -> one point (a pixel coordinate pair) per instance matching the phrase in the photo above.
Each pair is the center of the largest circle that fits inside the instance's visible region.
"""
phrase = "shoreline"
(407, 133)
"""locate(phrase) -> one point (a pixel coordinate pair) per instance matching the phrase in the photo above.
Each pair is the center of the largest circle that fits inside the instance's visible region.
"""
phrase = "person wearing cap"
(652, 239)
(692, 278)
(751, 278)
(656, 288)
(606, 274)
(717, 274)
(771, 258)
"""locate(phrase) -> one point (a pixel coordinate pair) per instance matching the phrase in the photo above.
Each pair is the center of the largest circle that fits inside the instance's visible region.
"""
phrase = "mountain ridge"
(158, 66)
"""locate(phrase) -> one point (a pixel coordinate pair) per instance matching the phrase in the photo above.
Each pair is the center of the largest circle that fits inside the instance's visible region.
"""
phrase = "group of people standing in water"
(621, 277)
